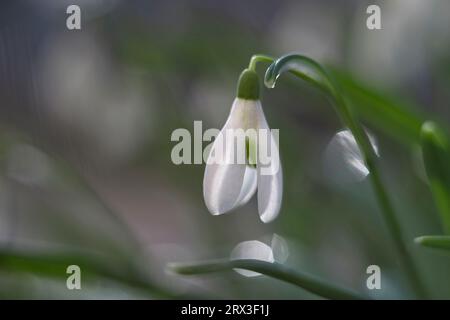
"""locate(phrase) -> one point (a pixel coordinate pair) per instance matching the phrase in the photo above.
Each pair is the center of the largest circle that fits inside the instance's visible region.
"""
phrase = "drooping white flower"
(244, 158)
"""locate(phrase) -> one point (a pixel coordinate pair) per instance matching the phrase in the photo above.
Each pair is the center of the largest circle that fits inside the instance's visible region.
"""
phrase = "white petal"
(280, 248)
(270, 193)
(343, 158)
(249, 186)
(251, 250)
(270, 176)
(224, 183)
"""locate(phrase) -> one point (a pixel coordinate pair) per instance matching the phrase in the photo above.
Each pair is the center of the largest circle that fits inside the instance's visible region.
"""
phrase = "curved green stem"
(258, 58)
(275, 270)
(310, 71)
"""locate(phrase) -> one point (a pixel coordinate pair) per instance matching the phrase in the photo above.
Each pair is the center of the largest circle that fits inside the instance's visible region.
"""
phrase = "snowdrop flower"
(244, 157)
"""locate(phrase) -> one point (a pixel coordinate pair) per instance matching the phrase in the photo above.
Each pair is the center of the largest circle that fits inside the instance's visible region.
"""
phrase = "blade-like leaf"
(396, 117)
(437, 242)
(436, 158)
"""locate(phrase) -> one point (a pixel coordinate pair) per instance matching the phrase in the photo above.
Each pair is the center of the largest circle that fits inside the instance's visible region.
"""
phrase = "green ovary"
(251, 151)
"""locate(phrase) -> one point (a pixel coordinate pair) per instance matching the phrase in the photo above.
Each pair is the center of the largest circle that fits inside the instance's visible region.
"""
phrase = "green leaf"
(436, 242)
(436, 158)
(274, 270)
(396, 117)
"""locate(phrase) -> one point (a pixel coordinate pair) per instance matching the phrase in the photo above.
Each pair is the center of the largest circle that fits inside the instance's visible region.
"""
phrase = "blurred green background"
(86, 117)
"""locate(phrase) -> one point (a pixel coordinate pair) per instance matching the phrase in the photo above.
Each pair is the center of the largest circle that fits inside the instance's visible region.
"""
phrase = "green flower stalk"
(310, 71)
